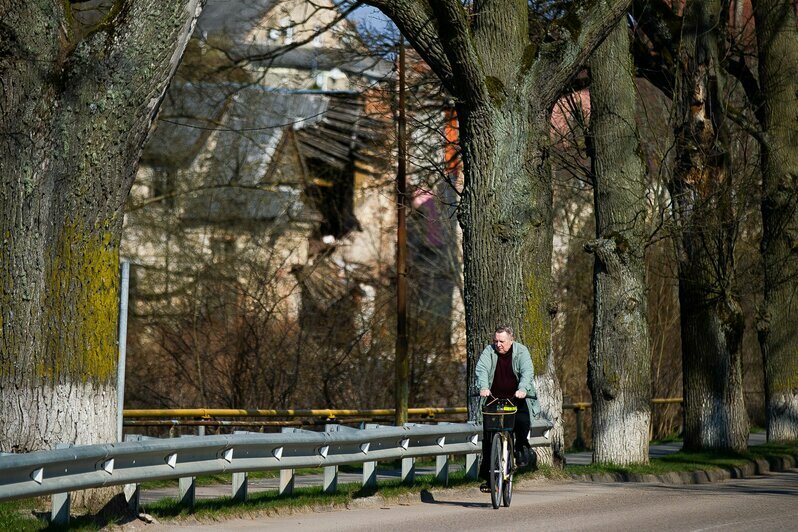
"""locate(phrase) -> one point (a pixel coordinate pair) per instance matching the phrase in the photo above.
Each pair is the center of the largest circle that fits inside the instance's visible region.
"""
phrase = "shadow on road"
(428, 498)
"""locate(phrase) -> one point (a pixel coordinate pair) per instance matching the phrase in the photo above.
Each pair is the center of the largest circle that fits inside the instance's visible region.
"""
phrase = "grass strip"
(684, 461)
(269, 501)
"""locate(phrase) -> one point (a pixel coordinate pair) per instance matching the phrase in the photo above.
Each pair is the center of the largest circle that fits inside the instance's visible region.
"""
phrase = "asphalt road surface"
(762, 504)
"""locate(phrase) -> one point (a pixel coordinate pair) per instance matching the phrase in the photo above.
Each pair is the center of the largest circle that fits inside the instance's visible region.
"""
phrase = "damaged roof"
(234, 133)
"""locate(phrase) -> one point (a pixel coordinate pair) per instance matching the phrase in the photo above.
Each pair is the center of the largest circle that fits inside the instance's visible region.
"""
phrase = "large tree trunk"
(505, 79)
(505, 211)
(777, 38)
(619, 366)
(77, 103)
(506, 218)
(701, 189)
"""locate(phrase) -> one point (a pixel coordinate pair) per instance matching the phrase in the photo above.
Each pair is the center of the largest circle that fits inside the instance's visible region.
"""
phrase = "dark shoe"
(522, 457)
(484, 487)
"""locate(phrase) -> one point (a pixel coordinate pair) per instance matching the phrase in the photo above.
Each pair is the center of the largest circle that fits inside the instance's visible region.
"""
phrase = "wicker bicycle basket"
(496, 416)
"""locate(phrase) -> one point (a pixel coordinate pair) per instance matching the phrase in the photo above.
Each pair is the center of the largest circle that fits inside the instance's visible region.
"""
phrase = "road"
(762, 503)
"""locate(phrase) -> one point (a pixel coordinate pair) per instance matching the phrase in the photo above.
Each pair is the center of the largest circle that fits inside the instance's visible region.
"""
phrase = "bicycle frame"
(502, 459)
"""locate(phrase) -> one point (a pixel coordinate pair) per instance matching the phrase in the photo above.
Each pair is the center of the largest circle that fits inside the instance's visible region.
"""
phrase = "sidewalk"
(655, 451)
(258, 485)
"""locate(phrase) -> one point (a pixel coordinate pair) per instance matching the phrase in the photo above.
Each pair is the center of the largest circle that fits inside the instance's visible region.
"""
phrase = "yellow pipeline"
(329, 414)
(668, 401)
(325, 413)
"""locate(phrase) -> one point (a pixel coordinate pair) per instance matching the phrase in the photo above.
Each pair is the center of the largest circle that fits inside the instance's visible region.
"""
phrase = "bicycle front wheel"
(496, 478)
(507, 463)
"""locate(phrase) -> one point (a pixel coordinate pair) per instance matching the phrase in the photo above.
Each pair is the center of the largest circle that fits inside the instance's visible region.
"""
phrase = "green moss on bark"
(81, 307)
(786, 381)
(496, 90)
(535, 330)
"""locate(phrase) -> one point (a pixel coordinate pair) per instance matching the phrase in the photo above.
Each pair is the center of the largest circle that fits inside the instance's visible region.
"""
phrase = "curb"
(757, 467)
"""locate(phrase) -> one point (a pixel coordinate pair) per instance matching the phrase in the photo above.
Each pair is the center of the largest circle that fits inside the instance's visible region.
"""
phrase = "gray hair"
(504, 329)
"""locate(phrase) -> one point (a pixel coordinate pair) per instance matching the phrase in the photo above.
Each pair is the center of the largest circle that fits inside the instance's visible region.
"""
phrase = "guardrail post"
(132, 494)
(331, 472)
(286, 475)
(286, 482)
(59, 512)
(408, 470)
(442, 469)
(330, 479)
(240, 486)
(442, 462)
(472, 466)
(370, 468)
(369, 474)
(188, 492)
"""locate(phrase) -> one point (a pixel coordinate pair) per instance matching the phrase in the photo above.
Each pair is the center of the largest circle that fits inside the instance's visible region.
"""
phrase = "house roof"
(316, 59)
(248, 121)
(237, 130)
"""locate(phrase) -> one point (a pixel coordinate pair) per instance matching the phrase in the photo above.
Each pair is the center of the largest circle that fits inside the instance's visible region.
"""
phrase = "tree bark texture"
(506, 209)
(777, 38)
(505, 82)
(619, 365)
(703, 204)
(76, 104)
(507, 235)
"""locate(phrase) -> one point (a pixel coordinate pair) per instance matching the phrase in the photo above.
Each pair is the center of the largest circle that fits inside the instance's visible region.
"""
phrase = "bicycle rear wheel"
(507, 487)
(496, 475)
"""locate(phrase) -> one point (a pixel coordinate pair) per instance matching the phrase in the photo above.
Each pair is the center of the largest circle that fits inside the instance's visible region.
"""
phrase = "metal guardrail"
(60, 471)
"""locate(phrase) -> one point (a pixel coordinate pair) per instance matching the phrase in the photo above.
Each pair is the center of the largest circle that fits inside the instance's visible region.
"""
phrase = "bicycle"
(498, 416)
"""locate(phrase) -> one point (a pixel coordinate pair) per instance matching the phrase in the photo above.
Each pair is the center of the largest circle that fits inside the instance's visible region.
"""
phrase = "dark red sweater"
(505, 383)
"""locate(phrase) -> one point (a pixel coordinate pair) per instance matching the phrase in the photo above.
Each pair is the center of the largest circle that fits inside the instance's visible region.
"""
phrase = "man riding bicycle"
(504, 370)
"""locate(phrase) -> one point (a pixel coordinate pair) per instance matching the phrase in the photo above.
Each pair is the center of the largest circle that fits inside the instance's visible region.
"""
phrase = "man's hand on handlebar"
(520, 394)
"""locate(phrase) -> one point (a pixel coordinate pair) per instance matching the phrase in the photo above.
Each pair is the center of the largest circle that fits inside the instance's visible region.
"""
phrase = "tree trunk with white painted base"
(78, 100)
(704, 211)
(777, 38)
(619, 365)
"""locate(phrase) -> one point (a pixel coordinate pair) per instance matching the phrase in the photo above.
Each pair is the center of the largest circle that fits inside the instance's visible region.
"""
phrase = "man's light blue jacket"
(522, 368)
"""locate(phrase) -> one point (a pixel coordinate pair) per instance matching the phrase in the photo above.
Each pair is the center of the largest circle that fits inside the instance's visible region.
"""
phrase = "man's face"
(503, 342)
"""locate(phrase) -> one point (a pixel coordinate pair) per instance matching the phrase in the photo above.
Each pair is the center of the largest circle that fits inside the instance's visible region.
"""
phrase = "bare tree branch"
(469, 82)
(561, 60)
(416, 20)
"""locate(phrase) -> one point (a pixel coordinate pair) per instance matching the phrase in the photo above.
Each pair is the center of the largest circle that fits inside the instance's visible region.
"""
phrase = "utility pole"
(402, 360)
